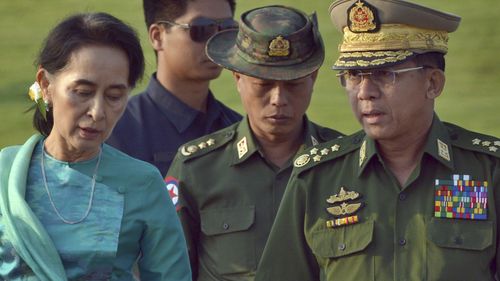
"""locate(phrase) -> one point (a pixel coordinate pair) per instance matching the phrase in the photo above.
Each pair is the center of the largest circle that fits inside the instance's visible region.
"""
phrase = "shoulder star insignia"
(317, 158)
(202, 145)
(210, 142)
(476, 141)
(486, 143)
(493, 148)
(497, 143)
(314, 151)
(335, 147)
(325, 151)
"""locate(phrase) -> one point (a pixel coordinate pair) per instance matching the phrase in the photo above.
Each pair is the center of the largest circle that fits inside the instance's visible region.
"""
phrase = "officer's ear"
(237, 78)
(156, 33)
(43, 79)
(436, 80)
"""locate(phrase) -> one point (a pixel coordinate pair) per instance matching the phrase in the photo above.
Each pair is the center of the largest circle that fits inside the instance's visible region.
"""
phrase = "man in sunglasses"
(177, 105)
(407, 198)
(231, 182)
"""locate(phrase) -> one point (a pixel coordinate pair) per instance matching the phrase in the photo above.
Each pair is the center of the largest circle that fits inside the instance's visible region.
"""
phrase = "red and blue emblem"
(172, 185)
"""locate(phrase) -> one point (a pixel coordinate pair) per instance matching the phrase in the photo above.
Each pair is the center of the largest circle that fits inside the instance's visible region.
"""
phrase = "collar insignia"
(362, 17)
(279, 47)
(344, 212)
(443, 150)
(362, 153)
(242, 147)
(314, 140)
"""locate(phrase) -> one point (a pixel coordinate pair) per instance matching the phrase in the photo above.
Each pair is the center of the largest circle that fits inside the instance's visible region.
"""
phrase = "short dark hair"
(87, 29)
(434, 59)
(156, 10)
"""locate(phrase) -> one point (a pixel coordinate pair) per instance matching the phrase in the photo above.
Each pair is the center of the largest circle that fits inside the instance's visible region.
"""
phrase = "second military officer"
(230, 183)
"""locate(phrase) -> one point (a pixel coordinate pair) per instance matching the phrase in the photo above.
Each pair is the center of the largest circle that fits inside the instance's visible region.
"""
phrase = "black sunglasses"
(200, 29)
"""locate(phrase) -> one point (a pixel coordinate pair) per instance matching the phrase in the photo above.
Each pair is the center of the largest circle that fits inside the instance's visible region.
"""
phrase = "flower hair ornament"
(35, 93)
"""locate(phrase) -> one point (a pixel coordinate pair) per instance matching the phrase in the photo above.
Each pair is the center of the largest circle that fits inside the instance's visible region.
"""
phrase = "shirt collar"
(180, 114)
(246, 144)
(438, 145)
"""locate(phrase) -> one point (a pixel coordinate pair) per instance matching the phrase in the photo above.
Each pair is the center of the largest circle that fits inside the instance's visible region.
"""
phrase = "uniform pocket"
(342, 251)
(459, 249)
(228, 246)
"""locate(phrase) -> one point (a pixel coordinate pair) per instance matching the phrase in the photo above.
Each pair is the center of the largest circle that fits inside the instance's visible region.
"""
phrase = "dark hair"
(155, 10)
(78, 31)
(434, 59)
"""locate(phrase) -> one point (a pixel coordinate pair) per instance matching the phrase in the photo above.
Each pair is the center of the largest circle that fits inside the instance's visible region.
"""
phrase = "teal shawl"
(25, 231)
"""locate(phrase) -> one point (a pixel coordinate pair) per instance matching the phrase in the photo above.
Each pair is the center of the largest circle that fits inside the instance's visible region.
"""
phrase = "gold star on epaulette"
(497, 143)
(335, 147)
(493, 148)
(476, 141)
(325, 151)
(210, 142)
(486, 143)
(314, 151)
(317, 158)
(202, 145)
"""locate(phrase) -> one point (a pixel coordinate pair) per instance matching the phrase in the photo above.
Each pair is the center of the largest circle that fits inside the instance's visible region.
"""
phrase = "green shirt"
(345, 217)
(228, 198)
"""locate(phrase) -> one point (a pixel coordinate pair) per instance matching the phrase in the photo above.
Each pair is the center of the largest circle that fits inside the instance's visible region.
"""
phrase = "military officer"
(230, 183)
(409, 197)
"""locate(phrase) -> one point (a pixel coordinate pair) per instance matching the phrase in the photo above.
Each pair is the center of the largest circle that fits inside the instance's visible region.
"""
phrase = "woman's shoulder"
(127, 172)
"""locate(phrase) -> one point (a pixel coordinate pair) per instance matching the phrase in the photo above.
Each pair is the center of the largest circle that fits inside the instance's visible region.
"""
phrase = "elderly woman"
(71, 207)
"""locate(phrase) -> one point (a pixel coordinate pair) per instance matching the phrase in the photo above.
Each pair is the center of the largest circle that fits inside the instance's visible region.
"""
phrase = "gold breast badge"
(343, 211)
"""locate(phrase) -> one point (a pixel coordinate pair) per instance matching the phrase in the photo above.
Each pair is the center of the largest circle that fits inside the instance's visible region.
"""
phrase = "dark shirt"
(156, 123)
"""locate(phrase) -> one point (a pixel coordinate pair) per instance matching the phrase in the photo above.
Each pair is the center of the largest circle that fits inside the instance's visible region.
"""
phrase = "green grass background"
(471, 97)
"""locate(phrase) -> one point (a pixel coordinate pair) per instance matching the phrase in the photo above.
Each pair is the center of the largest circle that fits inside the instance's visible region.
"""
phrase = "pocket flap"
(461, 234)
(227, 220)
(342, 241)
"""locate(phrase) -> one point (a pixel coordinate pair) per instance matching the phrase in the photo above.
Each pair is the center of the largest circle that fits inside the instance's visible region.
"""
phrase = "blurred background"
(471, 97)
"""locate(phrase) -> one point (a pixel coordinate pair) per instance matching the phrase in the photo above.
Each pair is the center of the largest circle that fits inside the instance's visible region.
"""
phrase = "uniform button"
(342, 246)
(225, 226)
(402, 242)
(402, 196)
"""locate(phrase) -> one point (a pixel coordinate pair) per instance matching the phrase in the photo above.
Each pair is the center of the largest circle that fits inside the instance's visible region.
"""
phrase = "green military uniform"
(345, 217)
(229, 195)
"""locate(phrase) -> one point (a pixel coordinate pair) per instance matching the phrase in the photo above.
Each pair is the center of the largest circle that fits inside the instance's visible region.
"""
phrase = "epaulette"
(327, 134)
(206, 144)
(473, 141)
(327, 151)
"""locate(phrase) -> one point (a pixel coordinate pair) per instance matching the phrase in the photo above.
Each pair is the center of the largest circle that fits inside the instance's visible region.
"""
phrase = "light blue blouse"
(131, 216)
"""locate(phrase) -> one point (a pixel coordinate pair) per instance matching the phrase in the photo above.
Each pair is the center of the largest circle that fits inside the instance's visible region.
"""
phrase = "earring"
(46, 103)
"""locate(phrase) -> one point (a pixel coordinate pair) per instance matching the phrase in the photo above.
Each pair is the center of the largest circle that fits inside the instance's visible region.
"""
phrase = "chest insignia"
(343, 210)
(461, 198)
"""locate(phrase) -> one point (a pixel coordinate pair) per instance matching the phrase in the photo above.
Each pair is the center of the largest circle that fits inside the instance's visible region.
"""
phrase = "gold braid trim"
(387, 57)
(395, 37)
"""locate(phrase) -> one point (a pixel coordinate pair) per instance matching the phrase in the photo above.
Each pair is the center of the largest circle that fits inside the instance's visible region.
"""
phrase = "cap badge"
(362, 17)
(279, 47)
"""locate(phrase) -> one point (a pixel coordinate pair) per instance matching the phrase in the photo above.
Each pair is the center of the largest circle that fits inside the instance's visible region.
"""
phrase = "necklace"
(91, 190)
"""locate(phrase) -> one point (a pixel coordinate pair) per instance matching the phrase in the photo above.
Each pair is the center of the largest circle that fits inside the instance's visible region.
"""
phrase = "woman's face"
(87, 98)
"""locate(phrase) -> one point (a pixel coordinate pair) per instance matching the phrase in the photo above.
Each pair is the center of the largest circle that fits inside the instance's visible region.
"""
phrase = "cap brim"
(370, 60)
(222, 50)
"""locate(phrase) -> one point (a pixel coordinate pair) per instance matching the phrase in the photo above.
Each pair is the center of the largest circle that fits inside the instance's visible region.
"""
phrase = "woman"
(72, 207)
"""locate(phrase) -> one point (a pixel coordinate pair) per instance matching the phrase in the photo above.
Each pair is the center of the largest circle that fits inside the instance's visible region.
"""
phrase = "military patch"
(362, 17)
(172, 185)
(242, 147)
(443, 150)
(302, 160)
(342, 209)
(279, 47)
(362, 153)
(461, 198)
